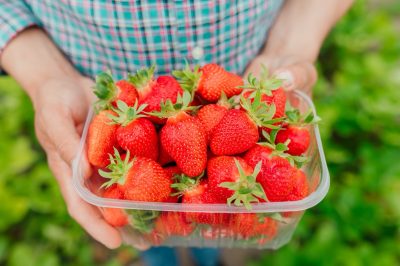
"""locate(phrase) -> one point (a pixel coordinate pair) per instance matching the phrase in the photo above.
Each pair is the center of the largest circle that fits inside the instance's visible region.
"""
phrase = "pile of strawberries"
(202, 136)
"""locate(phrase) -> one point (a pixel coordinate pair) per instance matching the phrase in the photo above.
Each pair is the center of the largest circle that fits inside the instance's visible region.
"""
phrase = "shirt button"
(197, 52)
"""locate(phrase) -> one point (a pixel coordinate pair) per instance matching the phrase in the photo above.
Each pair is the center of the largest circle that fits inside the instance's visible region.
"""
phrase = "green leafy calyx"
(118, 169)
(142, 78)
(294, 117)
(260, 112)
(265, 84)
(280, 149)
(170, 109)
(246, 189)
(183, 183)
(126, 114)
(142, 220)
(105, 90)
(188, 79)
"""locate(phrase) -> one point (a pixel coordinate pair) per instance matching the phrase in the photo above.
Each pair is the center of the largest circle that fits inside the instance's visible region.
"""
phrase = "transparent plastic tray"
(286, 215)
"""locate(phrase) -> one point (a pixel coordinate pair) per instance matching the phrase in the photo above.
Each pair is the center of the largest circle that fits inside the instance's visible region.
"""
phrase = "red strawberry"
(114, 216)
(127, 93)
(154, 92)
(136, 134)
(235, 133)
(256, 154)
(271, 92)
(210, 115)
(195, 191)
(210, 81)
(278, 177)
(101, 139)
(299, 139)
(231, 179)
(163, 157)
(110, 92)
(301, 188)
(173, 223)
(183, 137)
(280, 180)
(140, 179)
(253, 225)
(278, 98)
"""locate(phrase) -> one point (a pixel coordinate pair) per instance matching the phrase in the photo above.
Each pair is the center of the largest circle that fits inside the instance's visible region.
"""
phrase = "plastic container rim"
(268, 207)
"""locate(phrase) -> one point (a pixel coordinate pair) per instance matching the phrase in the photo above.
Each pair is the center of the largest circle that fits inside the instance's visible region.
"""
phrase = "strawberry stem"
(142, 79)
(183, 183)
(143, 220)
(246, 188)
(126, 114)
(280, 149)
(118, 169)
(294, 117)
(260, 112)
(169, 109)
(265, 84)
(188, 79)
(105, 90)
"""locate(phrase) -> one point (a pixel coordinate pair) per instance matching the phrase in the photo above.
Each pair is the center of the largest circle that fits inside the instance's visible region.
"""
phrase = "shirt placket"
(183, 42)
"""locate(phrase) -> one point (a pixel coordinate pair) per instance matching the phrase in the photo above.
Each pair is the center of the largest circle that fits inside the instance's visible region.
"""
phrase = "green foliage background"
(358, 97)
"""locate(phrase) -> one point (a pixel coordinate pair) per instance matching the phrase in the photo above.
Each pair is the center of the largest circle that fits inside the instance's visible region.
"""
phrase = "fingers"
(88, 216)
(300, 76)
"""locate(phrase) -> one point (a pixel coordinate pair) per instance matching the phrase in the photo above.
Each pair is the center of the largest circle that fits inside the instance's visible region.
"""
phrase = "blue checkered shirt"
(124, 35)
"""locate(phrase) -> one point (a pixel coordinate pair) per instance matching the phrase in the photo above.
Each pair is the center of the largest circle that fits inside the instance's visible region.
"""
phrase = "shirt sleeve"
(15, 16)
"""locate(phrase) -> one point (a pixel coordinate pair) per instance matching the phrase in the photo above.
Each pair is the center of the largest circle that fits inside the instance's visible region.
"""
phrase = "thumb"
(301, 76)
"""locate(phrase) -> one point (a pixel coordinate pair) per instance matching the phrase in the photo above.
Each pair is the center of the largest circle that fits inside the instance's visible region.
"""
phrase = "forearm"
(33, 59)
(302, 26)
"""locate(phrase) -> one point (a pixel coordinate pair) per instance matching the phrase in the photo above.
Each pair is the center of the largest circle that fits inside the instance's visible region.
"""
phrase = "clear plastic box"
(284, 215)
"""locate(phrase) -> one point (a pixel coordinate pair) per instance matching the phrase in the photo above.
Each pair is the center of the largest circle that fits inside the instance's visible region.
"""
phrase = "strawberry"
(135, 134)
(163, 157)
(195, 191)
(173, 223)
(256, 154)
(238, 130)
(231, 179)
(127, 93)
(140, 179)
(210, 115)
(234, 134)
(114, 216)
(271, 92)
(154, 92)
(301, 187)
(101, 139)
(109, 92)
(299, 139)
(279, 178)
(249, 225)
(210, 81)
(295, 132)
(183, 137)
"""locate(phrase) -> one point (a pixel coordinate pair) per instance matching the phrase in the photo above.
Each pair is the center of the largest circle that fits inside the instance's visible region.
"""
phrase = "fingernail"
(287, 79)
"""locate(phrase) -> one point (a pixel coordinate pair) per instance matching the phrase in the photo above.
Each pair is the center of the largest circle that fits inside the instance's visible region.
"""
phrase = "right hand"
(61, 108)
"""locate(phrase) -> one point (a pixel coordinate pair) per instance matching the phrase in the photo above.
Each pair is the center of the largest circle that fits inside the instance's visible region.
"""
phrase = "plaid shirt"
(124, 35)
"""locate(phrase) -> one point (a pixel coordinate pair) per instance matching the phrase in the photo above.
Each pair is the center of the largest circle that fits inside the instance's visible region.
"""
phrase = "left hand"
(296, 73)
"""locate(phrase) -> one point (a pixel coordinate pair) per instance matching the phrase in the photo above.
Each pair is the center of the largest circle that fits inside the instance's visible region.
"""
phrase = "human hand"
(295, 73)
(61, 108)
